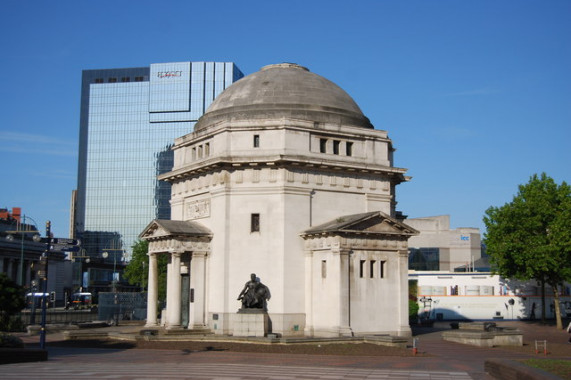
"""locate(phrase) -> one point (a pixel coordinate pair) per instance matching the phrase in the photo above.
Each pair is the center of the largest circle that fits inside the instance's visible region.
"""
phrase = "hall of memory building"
(286, 178)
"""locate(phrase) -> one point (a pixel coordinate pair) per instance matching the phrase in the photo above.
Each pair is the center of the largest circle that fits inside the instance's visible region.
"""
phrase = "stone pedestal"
(250, 323)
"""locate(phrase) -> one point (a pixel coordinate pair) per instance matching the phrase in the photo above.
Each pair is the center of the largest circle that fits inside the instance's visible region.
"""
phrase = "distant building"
(437, 247)
(20, 253)
(128, 122)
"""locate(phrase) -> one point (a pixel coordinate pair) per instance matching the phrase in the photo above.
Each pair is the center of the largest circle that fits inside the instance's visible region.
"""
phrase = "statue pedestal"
(250, 323)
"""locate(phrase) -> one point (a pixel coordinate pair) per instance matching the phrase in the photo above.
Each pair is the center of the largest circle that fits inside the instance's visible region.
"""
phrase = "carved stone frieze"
(357, 242)
(196, 209)
(176, 246)
(309, 176)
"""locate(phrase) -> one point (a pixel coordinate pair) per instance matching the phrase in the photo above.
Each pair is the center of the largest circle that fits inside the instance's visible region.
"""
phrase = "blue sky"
(476, 95)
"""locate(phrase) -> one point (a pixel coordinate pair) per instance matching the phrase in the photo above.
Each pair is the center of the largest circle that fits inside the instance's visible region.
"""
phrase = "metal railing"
(60, 315)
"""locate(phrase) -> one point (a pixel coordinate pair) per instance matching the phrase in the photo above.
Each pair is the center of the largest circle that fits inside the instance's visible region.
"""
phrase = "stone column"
(344, 293)
(153, 291)
(309, 293)
(198, 283)
(404, 327)
(174, 292)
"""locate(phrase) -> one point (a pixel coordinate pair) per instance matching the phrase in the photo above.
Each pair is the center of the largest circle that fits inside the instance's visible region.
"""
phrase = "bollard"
(414, 346)
(541, 344)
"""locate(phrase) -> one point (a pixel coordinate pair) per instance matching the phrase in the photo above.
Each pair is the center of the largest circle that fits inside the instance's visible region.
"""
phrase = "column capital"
(341, 251)
(176, 254)
(199, 254)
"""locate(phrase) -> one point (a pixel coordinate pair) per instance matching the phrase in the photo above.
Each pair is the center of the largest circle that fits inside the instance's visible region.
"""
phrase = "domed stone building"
(286, 178)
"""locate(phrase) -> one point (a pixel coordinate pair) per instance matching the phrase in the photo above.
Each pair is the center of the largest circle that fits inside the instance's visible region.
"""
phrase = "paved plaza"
(190, 370)
(442, 360)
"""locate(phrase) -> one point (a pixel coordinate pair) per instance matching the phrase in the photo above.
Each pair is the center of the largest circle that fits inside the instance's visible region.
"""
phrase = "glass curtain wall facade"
(129, 120)
(424, 259)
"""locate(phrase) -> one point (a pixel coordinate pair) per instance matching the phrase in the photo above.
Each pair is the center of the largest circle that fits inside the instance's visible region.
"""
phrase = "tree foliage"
(12, 299)
(530, 237)
(137, 271)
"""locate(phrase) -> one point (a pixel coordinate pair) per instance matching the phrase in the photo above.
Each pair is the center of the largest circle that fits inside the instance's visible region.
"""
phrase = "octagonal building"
(286, 178)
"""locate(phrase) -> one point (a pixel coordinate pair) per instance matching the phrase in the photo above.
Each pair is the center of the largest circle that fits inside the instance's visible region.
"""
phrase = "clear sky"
(476, 95)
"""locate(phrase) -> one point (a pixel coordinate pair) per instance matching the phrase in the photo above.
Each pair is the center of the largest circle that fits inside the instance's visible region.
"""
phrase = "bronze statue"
(255, 294)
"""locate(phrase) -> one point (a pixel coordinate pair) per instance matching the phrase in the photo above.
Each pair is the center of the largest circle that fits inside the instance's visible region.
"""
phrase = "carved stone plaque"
(198, 209)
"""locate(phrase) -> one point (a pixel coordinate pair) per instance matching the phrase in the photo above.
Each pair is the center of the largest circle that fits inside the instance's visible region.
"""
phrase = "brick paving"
(446, 360)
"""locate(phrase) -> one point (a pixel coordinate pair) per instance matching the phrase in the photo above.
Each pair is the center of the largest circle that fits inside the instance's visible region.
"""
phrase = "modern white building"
(286, 178)
(483, 296)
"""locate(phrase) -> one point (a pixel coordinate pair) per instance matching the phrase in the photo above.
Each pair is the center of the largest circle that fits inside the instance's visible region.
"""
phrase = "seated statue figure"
(255, 294)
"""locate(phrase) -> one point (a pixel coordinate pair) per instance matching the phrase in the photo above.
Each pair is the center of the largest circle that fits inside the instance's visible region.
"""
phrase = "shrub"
(412, 311)
(12, 300)
(10, 341)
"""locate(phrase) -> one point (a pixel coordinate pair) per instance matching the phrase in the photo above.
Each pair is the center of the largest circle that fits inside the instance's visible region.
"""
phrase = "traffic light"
(52, 297)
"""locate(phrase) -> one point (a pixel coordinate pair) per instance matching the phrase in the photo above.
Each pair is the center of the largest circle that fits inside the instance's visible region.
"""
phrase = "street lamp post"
(33, 313)
(426, 302)
(45, 287)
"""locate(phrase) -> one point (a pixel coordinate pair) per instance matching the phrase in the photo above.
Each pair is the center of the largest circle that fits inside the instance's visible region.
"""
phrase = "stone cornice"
(294, 162)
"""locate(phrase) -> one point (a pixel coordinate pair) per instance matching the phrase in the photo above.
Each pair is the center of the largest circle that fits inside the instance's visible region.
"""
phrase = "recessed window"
(139, 79)
(256, 141)
(336, 144)
(112, 80)
(372, 268)
(193, 154)
(323, 268)
(200, 151)
(361, 268)
(99, 80)
(382, 269)
(255, 223)
(349, 148)
(125, 79)
(207, 149)
(322, 145)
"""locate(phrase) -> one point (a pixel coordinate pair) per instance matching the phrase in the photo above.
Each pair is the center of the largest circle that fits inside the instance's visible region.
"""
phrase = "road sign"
(64, 248)
(61, 241)
(65, 241)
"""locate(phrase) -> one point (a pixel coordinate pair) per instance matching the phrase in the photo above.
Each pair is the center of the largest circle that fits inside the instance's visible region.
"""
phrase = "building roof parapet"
(355, 132)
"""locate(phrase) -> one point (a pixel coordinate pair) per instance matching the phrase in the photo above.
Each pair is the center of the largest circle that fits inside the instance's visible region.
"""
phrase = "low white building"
(482, 296)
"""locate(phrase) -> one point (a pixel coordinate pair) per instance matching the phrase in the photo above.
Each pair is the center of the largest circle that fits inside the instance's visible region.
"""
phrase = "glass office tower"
(128, 122)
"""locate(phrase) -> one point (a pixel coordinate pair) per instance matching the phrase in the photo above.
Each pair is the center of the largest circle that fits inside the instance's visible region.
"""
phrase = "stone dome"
(284, 90)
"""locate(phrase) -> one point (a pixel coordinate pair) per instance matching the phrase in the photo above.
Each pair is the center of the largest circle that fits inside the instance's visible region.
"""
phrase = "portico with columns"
(187, 245)
(356, 283)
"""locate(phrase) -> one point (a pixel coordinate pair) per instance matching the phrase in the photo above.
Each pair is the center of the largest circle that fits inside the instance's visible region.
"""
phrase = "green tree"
(12, 300)
(137, 271)
(530, 237)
